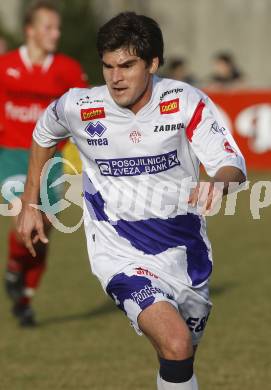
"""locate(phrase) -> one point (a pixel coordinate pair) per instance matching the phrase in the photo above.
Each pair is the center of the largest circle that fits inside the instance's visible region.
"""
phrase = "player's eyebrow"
(123, 64)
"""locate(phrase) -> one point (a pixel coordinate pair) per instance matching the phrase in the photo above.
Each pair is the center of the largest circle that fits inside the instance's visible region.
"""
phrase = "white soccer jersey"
(137, 175)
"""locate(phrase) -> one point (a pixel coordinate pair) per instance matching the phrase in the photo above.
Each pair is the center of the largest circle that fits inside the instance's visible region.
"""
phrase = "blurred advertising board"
(248, 114)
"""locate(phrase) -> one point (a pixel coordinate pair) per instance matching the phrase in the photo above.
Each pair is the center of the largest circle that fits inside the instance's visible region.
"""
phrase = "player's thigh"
(150, 300)
(167, 331)
(133, 293)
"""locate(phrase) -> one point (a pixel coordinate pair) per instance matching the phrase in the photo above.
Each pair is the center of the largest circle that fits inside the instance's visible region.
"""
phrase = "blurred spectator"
(31, 77)
(226, 74)
(3, 45)
(178, 70)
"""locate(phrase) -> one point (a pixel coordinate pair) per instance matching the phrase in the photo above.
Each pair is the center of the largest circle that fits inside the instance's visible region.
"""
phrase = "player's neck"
(36, 55)
(143, 99)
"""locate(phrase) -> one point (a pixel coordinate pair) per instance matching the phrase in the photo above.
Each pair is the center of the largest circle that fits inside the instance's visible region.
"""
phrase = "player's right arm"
(50, 129)
(30, 223)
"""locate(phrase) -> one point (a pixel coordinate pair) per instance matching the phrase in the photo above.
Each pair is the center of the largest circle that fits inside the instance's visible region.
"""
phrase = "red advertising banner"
(248, 114)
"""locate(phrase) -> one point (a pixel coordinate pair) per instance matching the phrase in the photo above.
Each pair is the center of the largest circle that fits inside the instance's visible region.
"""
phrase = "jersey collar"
(27, 62)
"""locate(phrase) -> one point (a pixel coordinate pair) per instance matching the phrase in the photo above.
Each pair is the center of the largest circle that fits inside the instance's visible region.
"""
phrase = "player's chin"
(122, 101)
(51, 47)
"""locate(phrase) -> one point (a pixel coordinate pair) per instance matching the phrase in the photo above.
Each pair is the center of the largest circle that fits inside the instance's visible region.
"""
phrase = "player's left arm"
(216, 149)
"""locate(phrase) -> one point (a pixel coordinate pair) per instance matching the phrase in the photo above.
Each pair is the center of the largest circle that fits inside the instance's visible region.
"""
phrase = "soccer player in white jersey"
(141, 140)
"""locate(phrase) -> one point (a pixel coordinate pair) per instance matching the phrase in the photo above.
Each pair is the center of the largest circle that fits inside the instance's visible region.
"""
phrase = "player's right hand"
(30, 227)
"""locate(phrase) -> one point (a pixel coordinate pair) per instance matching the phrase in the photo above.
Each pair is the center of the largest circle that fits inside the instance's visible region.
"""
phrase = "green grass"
(84, 342)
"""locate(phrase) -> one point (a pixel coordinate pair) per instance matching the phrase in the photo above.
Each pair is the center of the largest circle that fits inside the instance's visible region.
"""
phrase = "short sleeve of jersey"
(208, 135)
(53, 126)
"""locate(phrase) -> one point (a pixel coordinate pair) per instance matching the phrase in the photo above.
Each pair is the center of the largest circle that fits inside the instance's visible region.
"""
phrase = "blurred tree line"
(79, 28)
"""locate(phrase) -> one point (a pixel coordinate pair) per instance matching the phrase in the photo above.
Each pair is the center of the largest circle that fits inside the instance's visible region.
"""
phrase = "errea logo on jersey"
(96, 130)
(88, 114)
(170, 106)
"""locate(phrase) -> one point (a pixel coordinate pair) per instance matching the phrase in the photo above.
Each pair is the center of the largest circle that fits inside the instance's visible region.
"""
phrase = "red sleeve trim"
(195, 120)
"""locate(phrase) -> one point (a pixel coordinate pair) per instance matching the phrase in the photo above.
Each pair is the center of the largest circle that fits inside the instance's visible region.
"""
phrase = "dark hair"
(136, 32)
(228, 59)
(225, 57)
(176, 62)
(35, 7)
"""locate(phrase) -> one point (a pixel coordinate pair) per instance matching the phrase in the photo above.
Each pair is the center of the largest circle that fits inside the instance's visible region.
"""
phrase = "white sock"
(189, 385)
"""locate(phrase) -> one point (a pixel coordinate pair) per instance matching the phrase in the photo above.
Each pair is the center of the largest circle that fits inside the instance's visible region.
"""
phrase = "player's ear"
(28, 31)
(154, 65)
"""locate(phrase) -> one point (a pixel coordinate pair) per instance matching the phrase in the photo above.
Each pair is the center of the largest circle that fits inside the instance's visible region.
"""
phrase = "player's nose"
(117, 75)
(56, 33)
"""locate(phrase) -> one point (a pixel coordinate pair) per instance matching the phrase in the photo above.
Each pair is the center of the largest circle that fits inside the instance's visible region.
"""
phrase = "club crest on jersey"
(135, 136)
(170, 106)
(89, 114)
(96, 129)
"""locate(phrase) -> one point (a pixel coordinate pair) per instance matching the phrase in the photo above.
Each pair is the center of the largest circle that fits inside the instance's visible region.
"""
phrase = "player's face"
(45, 30)
(128, 78)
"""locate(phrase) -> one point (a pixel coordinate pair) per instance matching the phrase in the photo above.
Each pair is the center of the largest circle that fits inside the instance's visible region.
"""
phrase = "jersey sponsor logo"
(144, 293)
(87, 100)
(215, 129)
(197, 324)
(13, 72)
(174, 90)
(170, 106)
(134, 166)
(171, 127)
(24, 114)
(135, 136)
(89, 114)
(142, 271)
(96, 130)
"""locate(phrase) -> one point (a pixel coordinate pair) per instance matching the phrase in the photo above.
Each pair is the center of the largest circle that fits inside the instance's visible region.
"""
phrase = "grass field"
(84, 342)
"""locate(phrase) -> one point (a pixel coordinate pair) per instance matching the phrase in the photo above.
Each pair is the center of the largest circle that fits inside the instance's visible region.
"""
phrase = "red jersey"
(26, 90)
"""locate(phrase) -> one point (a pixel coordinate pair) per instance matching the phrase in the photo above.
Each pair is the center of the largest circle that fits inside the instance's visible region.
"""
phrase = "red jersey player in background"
(30, 78)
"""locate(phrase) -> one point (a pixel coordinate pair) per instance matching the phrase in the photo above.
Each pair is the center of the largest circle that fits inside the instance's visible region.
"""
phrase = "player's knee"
(177, 347)
(176, 371)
